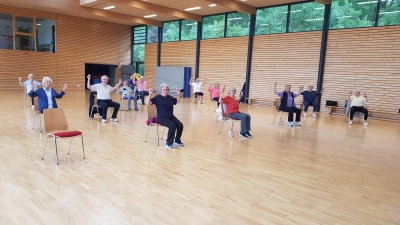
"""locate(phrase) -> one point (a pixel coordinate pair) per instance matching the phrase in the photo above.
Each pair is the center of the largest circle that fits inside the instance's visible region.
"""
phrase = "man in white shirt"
(103, 97)
(357, 105)
(197, 89)
(28, 84)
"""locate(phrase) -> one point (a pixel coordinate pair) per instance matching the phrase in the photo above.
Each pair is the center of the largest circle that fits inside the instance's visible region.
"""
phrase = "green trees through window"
(213, 26)
(171, 31)
(188, 30)
(271, 20)
(238, 24)
(306, 17)
(389, 12)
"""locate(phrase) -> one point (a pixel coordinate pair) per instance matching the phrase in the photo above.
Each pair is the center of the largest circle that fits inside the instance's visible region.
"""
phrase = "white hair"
(30, 75)
(232, 89)
(45, 79)
(164, 85)
(104, 76)
(310, 85)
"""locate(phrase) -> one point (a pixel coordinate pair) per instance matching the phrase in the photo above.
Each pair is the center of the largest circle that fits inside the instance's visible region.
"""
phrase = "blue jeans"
(244, 120)
(129, 98)
(142, 94)
(306, 104)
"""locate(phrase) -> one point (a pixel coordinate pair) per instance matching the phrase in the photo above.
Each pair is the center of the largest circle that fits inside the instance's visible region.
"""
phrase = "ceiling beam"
(73, 8)
(237, 6)
(159, 9)
(325, 2)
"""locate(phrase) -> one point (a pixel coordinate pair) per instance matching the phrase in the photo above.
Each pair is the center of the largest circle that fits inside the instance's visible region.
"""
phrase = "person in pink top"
(216, 92)
(141, 86)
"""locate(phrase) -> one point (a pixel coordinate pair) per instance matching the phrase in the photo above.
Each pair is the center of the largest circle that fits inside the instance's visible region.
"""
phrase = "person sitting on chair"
(141, 85)
(165, 114)
(216, 92)
(127, 93)
(197, 89)
(104, 97)
(309, 97)
(46, 95)
(357, 105)
(232, 111)
(287, 104)
(28, 85)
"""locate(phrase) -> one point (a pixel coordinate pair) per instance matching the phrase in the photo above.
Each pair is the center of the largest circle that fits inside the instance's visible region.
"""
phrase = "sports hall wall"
(78, 41)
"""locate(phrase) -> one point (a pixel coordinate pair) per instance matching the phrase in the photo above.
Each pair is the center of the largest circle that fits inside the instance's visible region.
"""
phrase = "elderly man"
(28, 85)
(104, 98)
(141, 86)
(310, 97)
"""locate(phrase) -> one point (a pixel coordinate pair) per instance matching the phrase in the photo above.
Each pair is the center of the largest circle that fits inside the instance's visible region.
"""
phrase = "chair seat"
(67, 134)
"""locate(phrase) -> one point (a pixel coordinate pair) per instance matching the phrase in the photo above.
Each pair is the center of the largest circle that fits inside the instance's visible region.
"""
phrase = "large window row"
(27, 34)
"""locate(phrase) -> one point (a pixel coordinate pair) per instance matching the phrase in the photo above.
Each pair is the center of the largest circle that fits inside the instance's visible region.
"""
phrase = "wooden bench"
(373, 114)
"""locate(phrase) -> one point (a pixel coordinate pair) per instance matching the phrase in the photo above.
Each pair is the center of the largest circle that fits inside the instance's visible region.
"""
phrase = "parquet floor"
(325, 172)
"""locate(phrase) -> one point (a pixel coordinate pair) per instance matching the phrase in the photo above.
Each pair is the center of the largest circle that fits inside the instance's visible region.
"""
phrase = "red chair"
(56, 126)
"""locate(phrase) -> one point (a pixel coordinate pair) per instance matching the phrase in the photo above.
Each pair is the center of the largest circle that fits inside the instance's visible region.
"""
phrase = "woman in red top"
(232, 111)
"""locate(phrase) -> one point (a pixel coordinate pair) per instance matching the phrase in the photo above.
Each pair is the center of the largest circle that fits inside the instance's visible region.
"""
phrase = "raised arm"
(205, 81)
(148, 101)
(300, 90)
(118, 85)
(190, 82)
(88, 82)
(178, 98)
(275, 89)
(20, 81)
(350, 95)
(365, 96)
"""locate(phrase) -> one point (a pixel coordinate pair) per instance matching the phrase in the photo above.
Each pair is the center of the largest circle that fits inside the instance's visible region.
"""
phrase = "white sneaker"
(114, 119)
(104, 121)
(365, 123)
(305, 114)
(350, 122)
(33, 107)
(314, 115)
(297, 124)
(290, 124)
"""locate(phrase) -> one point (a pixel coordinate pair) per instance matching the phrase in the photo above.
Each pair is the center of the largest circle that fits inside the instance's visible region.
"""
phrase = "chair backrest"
(151, 112)
(277, 103)
(36, 103)
(54, 120)
(224, 109)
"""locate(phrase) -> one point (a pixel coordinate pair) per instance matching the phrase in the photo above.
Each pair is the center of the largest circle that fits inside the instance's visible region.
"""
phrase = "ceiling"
(132, 12)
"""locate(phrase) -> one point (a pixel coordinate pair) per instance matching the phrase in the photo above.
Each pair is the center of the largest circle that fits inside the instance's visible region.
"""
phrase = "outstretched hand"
(19, 78)
(151, 91)
(65, 86)
(88, 76)
(178, 90)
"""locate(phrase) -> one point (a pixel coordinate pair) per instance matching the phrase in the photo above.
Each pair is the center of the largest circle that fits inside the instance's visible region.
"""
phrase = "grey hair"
(357, 90)
(310, 85)
(232, 88)
(164, 85)
(288, 85)
(30, 75)
(45, 79)
(104, 76)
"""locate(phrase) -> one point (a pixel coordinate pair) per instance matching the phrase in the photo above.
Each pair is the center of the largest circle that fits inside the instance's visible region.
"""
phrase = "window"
(188, 30)
(389, 12)
(23, 34)
(306, 17)
(271, 20)
(238, 24)
(6, 31)
(138, 54)
(152, 34)
(353, 13)
(213, 26)
(170, 31)
(139, 39)
(45, 35)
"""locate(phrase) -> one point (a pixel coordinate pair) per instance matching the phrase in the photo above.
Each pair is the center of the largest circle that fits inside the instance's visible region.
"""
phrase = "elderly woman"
(29, 84)
(232, 111)
(197, 89)
(287, 104)
(127, 93)
(216, 92)
(165, 114)
(357, 105)
(310, 98)
(47, 95)
(141, 86)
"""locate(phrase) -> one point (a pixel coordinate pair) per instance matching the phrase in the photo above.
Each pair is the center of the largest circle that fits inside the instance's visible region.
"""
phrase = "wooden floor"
(324, 172)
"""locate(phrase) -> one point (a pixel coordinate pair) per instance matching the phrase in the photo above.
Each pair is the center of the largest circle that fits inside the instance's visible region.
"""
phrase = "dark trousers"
(174, 125)
(245, 120)
(142, 94)
(104, 104)
(32, 101)
(217, 100)
(358, 109)
(314, 104)
(290, 110)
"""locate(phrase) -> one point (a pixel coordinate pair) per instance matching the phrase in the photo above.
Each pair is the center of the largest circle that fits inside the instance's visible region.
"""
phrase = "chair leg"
(34, 119)
(210, 105)
(147, 133)
(40, 123)
(70, 143)
(83, 148)
(55, 144)
(162, 137)
(233, 123)
(44, 149)
(123, 105)
(91, 113)
(98, 114)
(221, 126)
(275, 117)
(158, 138)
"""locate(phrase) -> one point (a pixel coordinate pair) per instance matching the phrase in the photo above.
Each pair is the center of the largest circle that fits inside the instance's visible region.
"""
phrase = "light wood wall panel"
(78, 41)
(224, 61)
(368, 59)
(150, 61)
(285, 59)
(181, 53)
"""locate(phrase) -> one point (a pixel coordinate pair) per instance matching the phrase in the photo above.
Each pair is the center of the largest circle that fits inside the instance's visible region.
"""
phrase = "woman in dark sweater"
(287, 104)
(310, 99)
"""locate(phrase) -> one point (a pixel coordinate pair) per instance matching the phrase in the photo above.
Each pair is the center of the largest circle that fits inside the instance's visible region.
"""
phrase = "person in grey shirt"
(127, 93)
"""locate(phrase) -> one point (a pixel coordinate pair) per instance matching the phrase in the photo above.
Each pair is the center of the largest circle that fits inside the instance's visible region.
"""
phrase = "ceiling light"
(109, 7)
(193, 8)
(320, 8)
(190, 24)
(361, 3)
(38, 24)
(238, 18)
(315, 19)
(264, 24)
(218, 29)
(296, 11)
(148, 16)
(243, 0)
(341, 17)
(389, 12)
(212, 5)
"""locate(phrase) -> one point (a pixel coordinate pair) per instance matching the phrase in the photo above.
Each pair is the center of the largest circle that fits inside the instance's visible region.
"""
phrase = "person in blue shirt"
(310, 98)
(47, 95)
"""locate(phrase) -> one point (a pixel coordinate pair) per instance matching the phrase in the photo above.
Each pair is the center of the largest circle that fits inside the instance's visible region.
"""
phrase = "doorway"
(98, 70)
